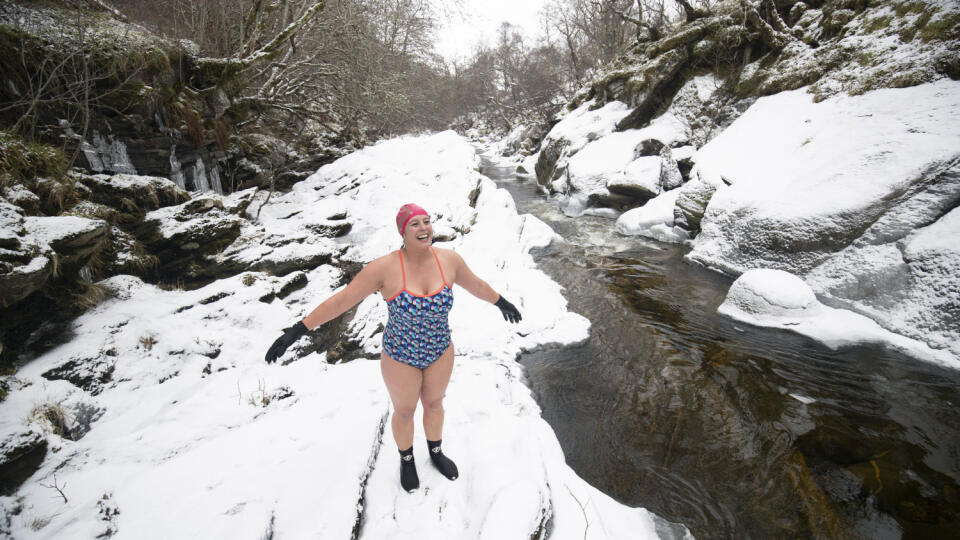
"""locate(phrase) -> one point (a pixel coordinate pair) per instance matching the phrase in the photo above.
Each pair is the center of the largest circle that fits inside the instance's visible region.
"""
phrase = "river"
(734, 431)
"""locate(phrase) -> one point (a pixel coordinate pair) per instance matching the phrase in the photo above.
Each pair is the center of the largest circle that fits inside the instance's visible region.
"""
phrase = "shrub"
(22, 161)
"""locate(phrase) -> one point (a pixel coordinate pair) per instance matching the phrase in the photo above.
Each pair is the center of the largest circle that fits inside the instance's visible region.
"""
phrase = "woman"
(417, 357)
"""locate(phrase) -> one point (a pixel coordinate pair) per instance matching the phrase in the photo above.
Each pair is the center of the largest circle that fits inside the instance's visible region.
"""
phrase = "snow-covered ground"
(182, 430)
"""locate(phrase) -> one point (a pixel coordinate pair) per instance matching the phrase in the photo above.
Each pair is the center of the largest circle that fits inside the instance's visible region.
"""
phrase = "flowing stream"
(732, 430)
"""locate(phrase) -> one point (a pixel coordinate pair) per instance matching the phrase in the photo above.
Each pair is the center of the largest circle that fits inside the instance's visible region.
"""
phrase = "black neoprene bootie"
(445, 465)
(408, 471)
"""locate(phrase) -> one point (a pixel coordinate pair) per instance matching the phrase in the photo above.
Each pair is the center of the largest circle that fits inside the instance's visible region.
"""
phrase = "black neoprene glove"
(509, 311)
(288, 338)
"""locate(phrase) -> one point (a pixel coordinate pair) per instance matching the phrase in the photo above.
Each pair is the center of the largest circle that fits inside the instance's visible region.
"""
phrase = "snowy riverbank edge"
(855, 195)
(190, 434)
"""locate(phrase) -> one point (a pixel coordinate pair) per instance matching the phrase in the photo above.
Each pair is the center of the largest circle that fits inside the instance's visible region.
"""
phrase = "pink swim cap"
(407, 212)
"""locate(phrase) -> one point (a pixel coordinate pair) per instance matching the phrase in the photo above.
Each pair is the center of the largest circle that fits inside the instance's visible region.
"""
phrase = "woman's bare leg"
(403, 384)
(435, 380)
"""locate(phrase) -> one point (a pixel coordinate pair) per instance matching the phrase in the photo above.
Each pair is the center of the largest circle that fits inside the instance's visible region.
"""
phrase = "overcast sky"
(457, 36)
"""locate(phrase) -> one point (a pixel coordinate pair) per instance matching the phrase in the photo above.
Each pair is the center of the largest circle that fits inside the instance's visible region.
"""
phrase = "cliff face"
(764, 47)
(121, 99)
(100, 128)
(754, 49)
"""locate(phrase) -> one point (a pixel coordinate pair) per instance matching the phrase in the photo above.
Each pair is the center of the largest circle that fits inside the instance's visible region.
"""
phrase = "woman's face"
(418, 232)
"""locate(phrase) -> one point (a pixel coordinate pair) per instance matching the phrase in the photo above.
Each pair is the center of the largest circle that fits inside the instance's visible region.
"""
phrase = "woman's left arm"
(464, 277)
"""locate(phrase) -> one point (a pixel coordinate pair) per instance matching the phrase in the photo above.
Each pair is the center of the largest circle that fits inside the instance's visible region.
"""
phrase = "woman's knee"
(432, 404)
(404, 414)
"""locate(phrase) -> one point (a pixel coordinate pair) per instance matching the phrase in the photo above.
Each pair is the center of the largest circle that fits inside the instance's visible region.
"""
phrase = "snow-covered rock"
(74, 239)
(670, 177)
(654, 219)
(693, 198)
(147, 192)
(778, 299)
(639, 179)
(910, 285)
(181, 236)
(830, 184)
(578, 127)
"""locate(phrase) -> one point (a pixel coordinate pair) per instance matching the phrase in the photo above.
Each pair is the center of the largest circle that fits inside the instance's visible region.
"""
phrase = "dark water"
(734, 431)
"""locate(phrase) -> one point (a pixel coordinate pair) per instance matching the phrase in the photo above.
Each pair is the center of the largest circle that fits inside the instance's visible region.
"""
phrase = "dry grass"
(92, 295)
(51, 417)
(148, 341)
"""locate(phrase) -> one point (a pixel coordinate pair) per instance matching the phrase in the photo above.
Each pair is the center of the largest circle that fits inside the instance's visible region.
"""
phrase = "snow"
(778, 299)
(653, 220)
(45, 230)
(644, 172)
(942, 236)
(684, 152)
(786, 151)
(582, 125)
(200, 438)
(610, 159)
(831, 190)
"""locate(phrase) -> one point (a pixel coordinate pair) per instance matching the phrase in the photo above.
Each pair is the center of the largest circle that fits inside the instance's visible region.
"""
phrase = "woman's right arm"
(367, 282)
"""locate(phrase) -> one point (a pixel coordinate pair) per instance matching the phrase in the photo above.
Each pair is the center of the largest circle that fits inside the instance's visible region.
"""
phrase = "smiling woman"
(417, 359)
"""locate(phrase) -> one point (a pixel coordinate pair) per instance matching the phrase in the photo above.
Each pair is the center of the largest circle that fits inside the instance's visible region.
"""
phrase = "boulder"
(640, 180)
(277, 254)
(860, 217)
(125, 254)
(654, 220)
(132, 195)
(74, 239)
(670, 176)
(90, 374)
(547, 163)
(24, 266)
(18, 281)
(684, 157)
(21, 453)
(182, 236)
(22, 197)
(92, 210)
(648, 147)
(764, 293)
(588, 122)
(334, 229)
(692, 202)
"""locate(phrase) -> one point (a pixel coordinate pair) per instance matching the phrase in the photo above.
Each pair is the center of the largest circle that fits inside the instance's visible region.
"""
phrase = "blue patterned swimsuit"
(417, 331)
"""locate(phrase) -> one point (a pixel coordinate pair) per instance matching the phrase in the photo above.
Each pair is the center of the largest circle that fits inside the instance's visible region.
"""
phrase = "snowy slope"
(182, 431)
